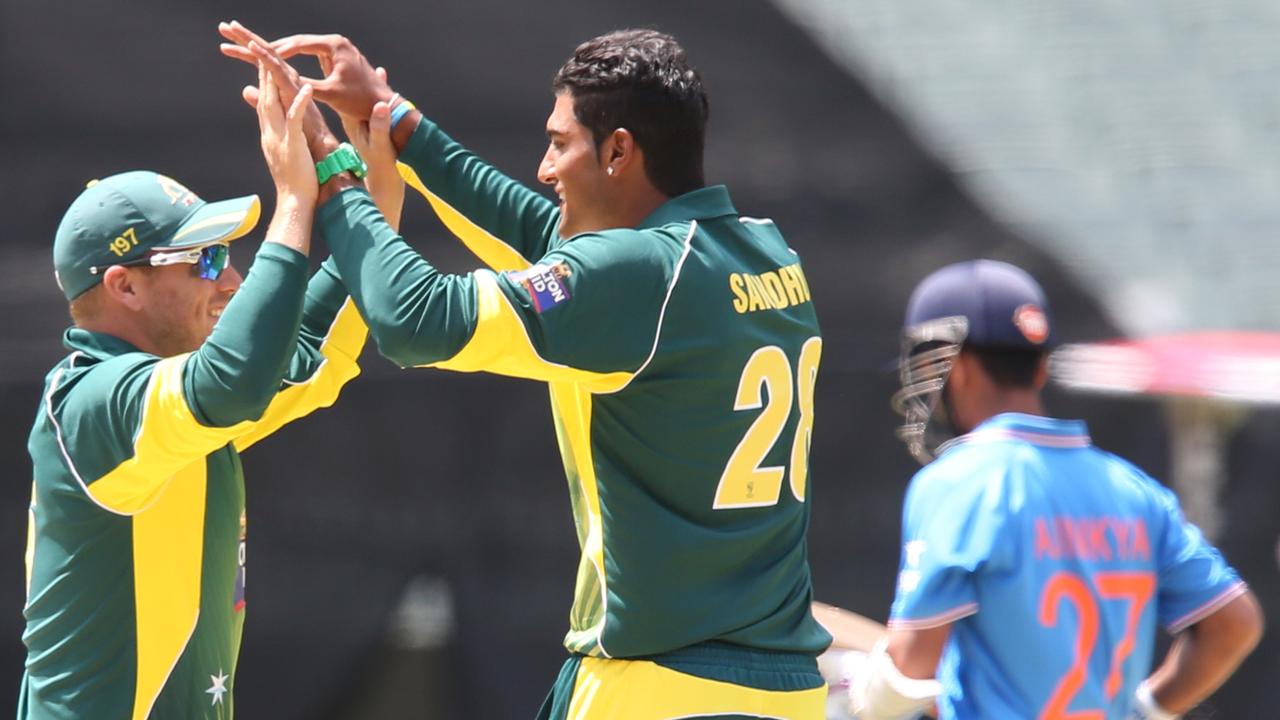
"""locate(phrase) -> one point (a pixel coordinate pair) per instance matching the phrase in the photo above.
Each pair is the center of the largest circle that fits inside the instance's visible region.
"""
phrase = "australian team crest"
(545, 284)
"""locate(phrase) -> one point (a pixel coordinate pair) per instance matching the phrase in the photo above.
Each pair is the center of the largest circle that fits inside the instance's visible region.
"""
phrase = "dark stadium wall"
(455, 479)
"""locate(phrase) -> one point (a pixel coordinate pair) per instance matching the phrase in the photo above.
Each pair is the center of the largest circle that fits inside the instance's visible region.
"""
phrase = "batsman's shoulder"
(963, 474)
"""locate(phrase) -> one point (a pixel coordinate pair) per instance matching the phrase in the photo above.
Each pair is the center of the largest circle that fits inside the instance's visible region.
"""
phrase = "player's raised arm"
(506, 224)
(372, 139)
(332, 333)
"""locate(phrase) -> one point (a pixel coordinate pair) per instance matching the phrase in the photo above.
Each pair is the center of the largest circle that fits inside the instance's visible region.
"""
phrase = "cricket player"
(1035, 567)
(680, 345)
(136, 547)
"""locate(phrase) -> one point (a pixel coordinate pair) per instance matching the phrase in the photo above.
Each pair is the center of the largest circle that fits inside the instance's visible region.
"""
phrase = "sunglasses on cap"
(209, 260)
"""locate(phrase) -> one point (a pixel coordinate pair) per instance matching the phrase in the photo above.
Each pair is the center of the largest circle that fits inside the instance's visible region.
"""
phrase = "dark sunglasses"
(210, 260)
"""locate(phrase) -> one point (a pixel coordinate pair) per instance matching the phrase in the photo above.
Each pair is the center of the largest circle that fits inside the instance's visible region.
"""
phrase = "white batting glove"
(1145, 706)
(838, 668)
(879, 691)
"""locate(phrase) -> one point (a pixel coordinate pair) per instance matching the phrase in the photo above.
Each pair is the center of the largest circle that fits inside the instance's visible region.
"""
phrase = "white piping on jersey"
(720, 714)
(57, 432)
(146, 403)
(662, 314)
(176, 658)
(755, 221)
(942, 618)
(53, 385)
(1207, 609)
(1045, 439)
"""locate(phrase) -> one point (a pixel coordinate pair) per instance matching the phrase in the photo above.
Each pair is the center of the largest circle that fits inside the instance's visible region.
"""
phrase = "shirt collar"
(1037, 430)
(700, 204)
(99, 346)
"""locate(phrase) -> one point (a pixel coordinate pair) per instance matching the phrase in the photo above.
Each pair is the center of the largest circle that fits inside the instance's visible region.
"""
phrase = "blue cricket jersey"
(1054, 561)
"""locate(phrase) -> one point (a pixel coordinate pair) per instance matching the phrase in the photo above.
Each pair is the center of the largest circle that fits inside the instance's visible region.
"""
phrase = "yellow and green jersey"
(135, 554)
(681, 357)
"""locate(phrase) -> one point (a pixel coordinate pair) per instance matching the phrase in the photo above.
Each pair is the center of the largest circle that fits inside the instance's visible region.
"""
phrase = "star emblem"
(219, 687)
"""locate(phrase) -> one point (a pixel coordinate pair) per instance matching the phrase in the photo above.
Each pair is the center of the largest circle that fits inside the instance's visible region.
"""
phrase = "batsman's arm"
(875, 673)
(1215, 617)
(849, 630)
(1202, 657)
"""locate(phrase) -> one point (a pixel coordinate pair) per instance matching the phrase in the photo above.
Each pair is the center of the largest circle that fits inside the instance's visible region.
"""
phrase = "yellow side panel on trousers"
(168, 548)
(643, 690)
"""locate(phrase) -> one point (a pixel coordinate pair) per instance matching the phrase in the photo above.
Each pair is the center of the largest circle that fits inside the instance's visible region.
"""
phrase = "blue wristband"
(400, 110)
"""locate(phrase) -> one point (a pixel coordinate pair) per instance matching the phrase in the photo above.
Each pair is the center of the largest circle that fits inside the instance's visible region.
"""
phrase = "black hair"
(640, 80)
(1009, 368)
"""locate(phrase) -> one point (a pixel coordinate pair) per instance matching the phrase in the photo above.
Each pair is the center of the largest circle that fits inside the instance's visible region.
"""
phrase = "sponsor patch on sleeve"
(545, 284)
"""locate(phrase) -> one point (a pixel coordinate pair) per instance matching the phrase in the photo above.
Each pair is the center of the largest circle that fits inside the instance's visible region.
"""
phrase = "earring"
(609, 170)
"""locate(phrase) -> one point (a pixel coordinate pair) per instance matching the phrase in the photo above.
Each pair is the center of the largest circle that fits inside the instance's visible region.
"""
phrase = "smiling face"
(179, 307)
(573, 167)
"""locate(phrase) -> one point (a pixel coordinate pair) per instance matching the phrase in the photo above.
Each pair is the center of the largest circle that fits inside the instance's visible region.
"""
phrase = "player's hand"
(372, 139)
(350, 85)
(320, 138)
(283, 143)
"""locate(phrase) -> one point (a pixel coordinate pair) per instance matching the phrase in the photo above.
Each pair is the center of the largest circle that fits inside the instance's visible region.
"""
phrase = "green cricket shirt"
(135, 554)
(681, 357)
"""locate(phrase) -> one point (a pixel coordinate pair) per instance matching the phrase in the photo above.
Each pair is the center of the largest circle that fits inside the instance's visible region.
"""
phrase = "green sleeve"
(325, 360)
(506, 211)
(416, 313)
(233, 376)
(514, 323)
(324, 298)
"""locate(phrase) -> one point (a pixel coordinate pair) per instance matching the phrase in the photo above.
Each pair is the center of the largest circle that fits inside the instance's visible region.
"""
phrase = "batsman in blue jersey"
(1035, 567)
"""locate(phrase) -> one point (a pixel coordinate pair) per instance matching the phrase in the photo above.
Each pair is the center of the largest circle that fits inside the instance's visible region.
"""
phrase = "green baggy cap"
(125, 216)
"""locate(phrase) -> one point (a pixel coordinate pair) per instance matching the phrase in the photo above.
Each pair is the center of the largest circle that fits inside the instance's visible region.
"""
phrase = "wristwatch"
(343, 158)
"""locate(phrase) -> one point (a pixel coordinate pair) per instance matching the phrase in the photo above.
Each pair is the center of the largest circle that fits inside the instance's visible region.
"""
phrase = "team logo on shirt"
(545, 284)
(1032, 323)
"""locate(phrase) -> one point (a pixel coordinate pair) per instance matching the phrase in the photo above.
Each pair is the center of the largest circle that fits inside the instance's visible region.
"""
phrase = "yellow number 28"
(744, 484)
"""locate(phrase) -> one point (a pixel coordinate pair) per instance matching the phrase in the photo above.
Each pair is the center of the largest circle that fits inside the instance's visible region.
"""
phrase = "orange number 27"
(1134, 587)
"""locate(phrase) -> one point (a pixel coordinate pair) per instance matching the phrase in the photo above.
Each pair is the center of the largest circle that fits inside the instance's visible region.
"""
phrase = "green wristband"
(343, 158)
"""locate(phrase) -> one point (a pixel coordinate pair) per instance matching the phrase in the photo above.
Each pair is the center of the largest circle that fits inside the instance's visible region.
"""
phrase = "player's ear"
(122, 287)
(618, 152)
(1042, 372)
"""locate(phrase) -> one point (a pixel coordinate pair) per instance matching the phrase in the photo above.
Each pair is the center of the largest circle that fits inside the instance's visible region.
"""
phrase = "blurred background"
(411, 550)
